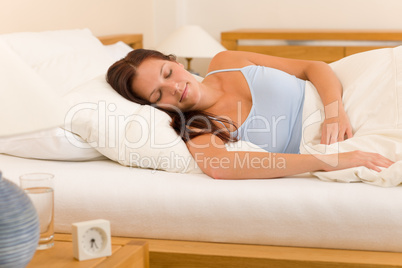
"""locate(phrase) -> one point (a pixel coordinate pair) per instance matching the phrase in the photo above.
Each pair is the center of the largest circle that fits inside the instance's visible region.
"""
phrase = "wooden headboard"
(133, 40)
(299, 44)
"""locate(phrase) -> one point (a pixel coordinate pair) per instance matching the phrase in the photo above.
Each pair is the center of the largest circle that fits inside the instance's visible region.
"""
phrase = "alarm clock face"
(91, 239)
(94, 240)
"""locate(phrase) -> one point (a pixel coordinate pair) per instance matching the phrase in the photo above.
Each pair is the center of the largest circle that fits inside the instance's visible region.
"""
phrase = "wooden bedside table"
(126, 252)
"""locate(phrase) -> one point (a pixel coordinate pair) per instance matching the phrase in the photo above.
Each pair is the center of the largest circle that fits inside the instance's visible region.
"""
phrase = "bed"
(189, 219)
(323, 45)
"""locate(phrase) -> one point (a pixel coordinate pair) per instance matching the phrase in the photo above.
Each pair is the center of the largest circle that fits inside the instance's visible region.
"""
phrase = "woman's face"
(166, 84)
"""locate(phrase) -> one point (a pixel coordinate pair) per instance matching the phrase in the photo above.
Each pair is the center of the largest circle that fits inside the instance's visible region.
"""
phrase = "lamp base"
(189, 66)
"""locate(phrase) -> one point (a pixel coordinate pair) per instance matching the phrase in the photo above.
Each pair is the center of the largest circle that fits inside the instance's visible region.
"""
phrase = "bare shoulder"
(228, 59)
(239, 59)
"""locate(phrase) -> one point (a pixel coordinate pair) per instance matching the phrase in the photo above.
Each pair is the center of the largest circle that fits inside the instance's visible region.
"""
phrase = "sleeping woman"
(245, 96)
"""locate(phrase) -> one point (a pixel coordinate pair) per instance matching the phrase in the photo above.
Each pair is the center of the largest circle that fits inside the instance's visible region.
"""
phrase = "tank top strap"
(223, 70)
(217, 120)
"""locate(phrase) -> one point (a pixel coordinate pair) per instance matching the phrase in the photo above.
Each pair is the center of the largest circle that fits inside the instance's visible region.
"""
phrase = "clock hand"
(93, 243)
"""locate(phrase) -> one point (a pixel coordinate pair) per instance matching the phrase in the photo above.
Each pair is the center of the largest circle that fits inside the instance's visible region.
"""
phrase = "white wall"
(220, 15)
(157, 18)
(101, 16)
(216, 16)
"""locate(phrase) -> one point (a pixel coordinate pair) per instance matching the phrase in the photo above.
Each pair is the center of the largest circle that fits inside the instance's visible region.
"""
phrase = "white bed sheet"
(372, 97)
(298, 211)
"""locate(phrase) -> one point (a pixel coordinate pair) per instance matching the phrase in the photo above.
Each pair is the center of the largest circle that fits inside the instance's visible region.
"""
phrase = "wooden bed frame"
(133, 40)
(187, 254)
(232, 40)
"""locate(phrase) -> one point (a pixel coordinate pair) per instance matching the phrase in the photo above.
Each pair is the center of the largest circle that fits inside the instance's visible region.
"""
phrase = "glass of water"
(40, 188)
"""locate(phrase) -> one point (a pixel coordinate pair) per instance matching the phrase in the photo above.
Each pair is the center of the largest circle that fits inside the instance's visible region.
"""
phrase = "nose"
(172, 87)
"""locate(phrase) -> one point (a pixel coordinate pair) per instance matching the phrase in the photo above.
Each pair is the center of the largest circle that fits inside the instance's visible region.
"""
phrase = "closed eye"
(160, 96)
(169, 74)
(160, 91)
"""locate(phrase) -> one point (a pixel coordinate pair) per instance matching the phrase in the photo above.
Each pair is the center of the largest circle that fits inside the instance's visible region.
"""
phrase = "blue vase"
(19, 226)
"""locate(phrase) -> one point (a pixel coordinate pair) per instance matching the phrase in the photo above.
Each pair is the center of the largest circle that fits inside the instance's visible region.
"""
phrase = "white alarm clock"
(91, 239)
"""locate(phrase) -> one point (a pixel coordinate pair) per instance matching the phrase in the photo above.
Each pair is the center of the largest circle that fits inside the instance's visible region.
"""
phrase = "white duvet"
(372, 83)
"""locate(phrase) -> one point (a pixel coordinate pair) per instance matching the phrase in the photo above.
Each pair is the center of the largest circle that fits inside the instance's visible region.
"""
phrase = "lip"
(184, 93)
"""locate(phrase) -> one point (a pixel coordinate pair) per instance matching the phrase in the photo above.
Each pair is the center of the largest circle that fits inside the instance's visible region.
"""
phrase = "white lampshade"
(191, 41)
(27, 103)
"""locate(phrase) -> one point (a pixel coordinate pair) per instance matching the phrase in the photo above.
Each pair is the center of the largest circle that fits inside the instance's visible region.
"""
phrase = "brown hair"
(186, 124)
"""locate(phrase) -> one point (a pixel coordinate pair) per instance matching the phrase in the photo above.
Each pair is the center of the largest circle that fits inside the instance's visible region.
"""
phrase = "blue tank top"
(275, 119)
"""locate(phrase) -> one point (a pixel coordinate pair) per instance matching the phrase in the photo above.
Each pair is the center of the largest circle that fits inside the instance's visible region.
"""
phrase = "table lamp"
(27, 104)
(190, 41)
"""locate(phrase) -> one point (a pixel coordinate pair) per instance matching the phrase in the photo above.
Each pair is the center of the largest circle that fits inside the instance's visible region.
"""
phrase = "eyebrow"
(160, 73)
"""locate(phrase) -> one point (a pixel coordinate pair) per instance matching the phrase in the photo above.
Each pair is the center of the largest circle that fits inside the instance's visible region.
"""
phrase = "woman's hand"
(336, 126)
(340, 161)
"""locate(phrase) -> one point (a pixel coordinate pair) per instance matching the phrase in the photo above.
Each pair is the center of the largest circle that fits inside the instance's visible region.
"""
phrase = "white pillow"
(52, 144)
(118, 50)
(131, 134)
(63, 58)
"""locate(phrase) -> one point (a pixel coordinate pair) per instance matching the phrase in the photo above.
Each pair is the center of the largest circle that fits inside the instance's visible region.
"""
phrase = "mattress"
(296, 211)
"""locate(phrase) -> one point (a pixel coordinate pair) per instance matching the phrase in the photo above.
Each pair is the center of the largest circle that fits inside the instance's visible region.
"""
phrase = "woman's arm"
(212, 157)
(336, 124)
